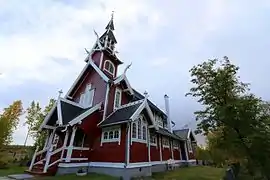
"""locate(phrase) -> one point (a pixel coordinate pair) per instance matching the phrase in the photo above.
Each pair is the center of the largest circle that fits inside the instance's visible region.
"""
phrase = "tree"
(240, 119)
(9, 120)
(34, 119)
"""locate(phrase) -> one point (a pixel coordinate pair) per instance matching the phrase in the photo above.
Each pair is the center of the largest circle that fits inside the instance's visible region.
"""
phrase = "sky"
(42, 46)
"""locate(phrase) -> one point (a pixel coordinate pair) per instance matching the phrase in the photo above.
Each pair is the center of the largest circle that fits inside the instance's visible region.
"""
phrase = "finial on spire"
(112, 15)
(146, 94)
(59, 93)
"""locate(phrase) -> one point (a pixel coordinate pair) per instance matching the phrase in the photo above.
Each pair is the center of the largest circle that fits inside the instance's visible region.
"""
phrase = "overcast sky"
(42, 46)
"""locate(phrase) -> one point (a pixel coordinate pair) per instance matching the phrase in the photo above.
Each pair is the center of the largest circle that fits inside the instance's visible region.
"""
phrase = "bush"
(4, 160)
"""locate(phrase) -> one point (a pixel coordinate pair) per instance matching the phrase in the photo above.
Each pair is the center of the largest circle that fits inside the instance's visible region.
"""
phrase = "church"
(106, 126)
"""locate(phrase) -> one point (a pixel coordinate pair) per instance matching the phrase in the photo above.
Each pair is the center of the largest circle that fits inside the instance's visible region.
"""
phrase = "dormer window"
(117, 98)
(109, 67)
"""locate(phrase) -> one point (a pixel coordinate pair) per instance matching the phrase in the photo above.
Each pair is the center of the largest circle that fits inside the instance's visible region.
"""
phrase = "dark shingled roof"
(70, 111)
(183, 133)
(121, 115)
(139, 96)
(168, 133)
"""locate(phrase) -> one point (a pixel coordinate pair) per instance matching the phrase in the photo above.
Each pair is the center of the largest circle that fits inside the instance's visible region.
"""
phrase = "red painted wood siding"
(96, 58)
(109, 152)
(97, 82)
(155, 152)
(124, 98)
(176, 154)
(138, 152)
(166, 154)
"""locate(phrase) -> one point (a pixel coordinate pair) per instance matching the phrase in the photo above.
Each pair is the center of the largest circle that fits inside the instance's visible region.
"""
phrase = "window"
(117, 98)
(111, 134)
(86, 98)
(105, 135)
(175, 144)
(189, 146)
(153, 139)
(109, 67)
(134, 130)
(116, 134)
(144, 133)
(165, 143)
(159, 121)
(139, 129)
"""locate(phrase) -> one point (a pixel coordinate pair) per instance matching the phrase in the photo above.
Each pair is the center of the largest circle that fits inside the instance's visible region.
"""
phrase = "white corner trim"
(85, 114)
(137, 112)
(104, 77)
(166, 146)
(150, 113)
(71, 102)
(59, 113)
(124, 78)
(76, 81)
(48, 116)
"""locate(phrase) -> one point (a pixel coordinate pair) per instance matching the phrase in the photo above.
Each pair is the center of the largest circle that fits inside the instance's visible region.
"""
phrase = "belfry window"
(109, 67)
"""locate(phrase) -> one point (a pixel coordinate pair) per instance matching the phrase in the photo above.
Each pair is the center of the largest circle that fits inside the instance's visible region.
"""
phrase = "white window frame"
(159, 121)
(155, 137)
(107, 70)
(143, 123)
(117, 90)
(83, 100)
(189, 145)
(108, 130)
(175, 144)
(167, 140)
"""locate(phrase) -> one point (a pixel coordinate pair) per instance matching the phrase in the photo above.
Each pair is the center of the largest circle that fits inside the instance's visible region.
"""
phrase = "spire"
(108, 39)
(110, 25)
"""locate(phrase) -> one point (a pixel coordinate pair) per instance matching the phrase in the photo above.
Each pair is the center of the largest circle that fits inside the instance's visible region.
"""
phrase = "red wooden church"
(106, 126)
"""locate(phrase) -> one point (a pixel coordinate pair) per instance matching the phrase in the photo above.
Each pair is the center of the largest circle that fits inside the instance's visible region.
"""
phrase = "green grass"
(192, 173)
(189, 173)
(12, 170)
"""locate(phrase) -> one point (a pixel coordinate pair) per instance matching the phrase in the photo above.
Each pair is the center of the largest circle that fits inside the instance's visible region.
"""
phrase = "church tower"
(104, 52)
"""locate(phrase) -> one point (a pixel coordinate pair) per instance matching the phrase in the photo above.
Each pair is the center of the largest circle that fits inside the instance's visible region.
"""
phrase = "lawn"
(190, 173)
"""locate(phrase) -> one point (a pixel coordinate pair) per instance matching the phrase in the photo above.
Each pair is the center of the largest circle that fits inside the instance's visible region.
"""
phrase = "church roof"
(121, 115)
(183, 133)
(168, 133)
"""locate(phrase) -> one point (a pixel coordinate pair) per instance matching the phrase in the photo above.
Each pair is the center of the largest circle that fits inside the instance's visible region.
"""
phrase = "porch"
(63, 144)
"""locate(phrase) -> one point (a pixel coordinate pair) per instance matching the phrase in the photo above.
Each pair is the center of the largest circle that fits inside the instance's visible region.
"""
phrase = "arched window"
(139, 129)
(105, 136)
(134, 130)
(109, 67)
(116, 134)
(111, 135)
(144, 133)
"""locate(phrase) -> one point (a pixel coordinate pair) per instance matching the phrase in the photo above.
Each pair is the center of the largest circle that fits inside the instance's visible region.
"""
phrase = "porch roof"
(168, 133)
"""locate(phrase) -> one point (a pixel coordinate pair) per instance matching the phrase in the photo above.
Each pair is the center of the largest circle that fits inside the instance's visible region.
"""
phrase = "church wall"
(138, 152)
(109, 151)
(97, 82)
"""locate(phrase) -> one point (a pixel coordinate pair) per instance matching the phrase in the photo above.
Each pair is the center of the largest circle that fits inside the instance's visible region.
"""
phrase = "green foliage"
(9, 120)
(34, 118)
(237, 120)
